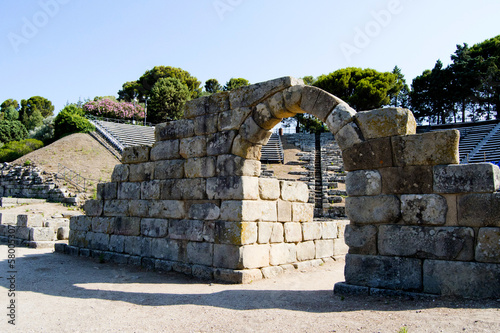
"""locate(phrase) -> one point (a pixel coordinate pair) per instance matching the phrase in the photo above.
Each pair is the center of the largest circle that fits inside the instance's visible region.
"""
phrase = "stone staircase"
(272, 152)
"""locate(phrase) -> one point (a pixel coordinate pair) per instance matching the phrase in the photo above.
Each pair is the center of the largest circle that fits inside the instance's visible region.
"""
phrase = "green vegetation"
(34, 110)
(235, 83)
(12, 130)
(168, 97)
(71, 120)
(15, 149)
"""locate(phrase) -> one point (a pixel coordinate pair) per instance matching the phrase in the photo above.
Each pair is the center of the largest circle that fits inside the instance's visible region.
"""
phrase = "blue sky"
(66, 50)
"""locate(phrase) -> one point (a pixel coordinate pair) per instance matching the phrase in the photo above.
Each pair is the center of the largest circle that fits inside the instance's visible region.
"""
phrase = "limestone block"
(42, 234)
(372, 154)
(98, 241)
(218, 102)
(204, 211)
(292, 98)
(324, 248)
(167, 209)
(254, 256)
(479, 210)
(394, 273)
(284, 211)
(488, 245)
(424, 209)
(78, 238)
(132, 245)
(200, 253)
(311, 230)
(206, 124)
(192, 230)
(163, 265)
(409, 179)
(271, 272)
(236, 233)
(220, 143)
(480, 177)
(105, 225)
(129, 191)
(226, 256)
(169, 169)
(324, 105)
(183, 128)
(251, 95)
(135, 154)
(30, 220)
(200, 167)
(62, 233)
(263, 117)
(374, 209)
(80, 223)
(164, 248)
(277, 107)
(329, 230)
(139, 208)
(340, 248)
(246, 149)
(120, 173)
(232, 120)
(386, 122)
(446, 243)
(361, 239)
(150, 190)
(154, 227)
(264, 232)
(127, 226)
(348, 136)
(277, 235)
(294, 191)
(283, 253)
(293, 232)
(146, 250)
(165, 150)
(302, 212)
(141, 172)
(463, 279)
(306, 251)
(93, 207)
(117, 243)
(269, 189)
(115, 208)
(188, 189)
(252, 132)
(238, 276)
(363, 183)
(195, 107)
(232, 165)
(193, 147)
(340, 116)
(432, 148)
(233, 188)
(202, 272)
(107, 191)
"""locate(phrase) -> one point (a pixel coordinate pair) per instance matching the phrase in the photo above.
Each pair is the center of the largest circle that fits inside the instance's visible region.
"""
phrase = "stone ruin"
(194, 202)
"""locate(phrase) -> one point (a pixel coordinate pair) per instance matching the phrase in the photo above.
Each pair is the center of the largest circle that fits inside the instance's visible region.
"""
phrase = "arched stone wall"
(194, 202)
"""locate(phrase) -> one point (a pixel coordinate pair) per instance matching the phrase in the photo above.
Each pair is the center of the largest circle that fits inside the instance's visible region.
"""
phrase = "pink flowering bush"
(111, 109)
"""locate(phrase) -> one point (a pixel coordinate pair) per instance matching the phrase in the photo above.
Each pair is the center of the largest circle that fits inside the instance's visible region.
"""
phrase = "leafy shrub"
(45, 132)
(12, 130)
(15, 149)
(112, 109)
(70, 120)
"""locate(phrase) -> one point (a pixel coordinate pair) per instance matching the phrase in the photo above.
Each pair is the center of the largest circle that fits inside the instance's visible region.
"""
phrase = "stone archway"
(194, 202)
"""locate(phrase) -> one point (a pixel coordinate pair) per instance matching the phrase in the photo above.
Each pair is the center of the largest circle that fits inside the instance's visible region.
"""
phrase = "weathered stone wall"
(194, 202)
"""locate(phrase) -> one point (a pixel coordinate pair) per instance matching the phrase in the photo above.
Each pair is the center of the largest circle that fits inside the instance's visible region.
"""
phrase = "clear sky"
(66, 50)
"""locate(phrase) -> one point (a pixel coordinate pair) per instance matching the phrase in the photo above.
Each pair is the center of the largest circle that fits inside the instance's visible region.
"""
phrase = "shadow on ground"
(84, 278)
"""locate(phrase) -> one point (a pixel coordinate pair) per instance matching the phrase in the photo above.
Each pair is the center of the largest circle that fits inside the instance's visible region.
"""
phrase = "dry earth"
(61, 293)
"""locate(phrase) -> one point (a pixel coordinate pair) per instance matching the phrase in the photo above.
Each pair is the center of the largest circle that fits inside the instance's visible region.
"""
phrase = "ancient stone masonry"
(194, 202)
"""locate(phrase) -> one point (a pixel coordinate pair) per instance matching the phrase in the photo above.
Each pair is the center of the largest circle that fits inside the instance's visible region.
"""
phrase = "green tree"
(71, 120)
(399, 92)
(212, 86)
(309, 80)
(234, 83)
(141, 89)
(11, 113)
(168, 97)
(363, 89)
(12, 130)
(34, 110)
(45, 132)
(7, 103)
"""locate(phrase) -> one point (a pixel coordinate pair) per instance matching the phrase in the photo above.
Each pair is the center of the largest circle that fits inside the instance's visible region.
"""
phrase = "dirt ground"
(61, 293)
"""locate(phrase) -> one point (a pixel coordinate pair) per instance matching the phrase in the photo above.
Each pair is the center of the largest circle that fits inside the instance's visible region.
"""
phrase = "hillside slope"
(78, 152)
